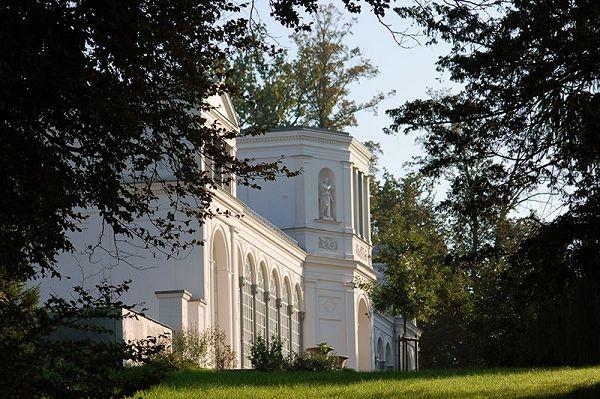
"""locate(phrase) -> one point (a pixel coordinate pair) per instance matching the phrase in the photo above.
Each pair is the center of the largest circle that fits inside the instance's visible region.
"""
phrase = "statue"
(326, 199)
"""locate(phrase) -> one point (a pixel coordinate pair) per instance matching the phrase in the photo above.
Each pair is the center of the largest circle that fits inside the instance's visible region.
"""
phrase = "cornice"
(274, 138)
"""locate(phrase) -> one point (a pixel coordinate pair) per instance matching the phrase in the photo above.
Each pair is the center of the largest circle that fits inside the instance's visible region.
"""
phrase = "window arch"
(286, 316)
(379, 356)
(260, 301)
(296, 319)
(389, 361)
(274, 305)
(247, 278)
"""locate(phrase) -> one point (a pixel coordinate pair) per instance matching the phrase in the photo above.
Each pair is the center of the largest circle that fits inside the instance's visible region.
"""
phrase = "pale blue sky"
(409, 71)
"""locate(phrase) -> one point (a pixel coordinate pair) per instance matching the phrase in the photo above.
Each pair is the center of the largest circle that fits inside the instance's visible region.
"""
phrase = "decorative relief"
(328, 243)
(329, 304)
(362, 252)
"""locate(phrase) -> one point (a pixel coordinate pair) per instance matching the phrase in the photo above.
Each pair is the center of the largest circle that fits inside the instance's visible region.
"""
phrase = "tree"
(408, 241)
(313, 88)
(97, 94)
(521, 128)
(264, 79)
(530, 102)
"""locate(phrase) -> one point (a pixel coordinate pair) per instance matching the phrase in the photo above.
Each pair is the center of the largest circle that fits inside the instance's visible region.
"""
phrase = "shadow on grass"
(591, 392)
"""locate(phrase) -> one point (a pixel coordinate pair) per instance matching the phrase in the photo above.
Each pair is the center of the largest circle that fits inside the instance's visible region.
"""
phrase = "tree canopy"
(521, 130)
(311, 89)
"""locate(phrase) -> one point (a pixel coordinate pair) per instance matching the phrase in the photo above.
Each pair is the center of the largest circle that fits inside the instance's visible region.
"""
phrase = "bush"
(35, 362)
(267, 356)
(310, 362)
(206, 349)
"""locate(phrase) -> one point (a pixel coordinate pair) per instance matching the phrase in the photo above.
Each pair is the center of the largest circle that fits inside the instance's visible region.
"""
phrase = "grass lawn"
(497, 383)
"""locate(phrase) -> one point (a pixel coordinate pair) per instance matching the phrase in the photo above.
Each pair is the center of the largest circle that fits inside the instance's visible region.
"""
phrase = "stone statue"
(326, 199)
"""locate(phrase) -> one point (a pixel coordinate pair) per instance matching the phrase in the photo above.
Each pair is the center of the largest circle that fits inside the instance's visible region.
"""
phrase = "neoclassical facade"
(286, 264)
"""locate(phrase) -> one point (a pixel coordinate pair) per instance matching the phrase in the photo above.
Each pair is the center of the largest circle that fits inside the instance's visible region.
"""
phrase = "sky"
(408, 71)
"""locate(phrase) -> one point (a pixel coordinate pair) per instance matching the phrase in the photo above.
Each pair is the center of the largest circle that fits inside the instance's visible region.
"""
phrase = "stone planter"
(340, 361)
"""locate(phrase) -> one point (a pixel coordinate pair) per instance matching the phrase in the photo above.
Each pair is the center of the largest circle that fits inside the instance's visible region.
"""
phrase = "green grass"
(494, 383)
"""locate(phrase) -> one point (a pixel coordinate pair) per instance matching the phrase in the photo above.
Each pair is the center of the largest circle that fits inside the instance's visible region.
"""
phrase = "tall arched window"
(273, 302)
(246, 281)
(379, 357)
(261, 308)
(296, 320)
(389, 361)
(285, 312)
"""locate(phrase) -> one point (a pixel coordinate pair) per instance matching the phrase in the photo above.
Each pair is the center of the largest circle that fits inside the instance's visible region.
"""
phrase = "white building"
(288, 266)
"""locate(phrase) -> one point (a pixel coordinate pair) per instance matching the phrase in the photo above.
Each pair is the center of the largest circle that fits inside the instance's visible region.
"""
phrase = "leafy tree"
(324, 70)
(408, 240)
(529, 103)
(313, 88)
(264, 79)
(96, 94)
(521, 129)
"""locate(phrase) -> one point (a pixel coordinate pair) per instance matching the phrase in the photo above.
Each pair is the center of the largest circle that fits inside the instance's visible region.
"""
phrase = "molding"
(270, 137)
(184, 294)
(326, 221)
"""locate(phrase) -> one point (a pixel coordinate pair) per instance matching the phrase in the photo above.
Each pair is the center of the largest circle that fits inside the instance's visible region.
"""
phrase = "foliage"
(520, 131)
(189, 348)
(313, 88)
(408, 240)
(120, 99)
(267, 356)
(41, 360)
(264, 79)
(324, 348)
(319, 361)
(427, 384)
(206, 349)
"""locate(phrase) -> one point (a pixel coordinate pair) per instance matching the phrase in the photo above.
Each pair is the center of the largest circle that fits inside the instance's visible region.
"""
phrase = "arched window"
(246, 281)
(285, 312)
(273, 308)
(379, 358)
(389, 361)
(296, 320)
(261, 308)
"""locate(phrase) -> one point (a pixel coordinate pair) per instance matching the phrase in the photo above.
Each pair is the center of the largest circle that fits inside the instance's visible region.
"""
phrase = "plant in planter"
(325, 348)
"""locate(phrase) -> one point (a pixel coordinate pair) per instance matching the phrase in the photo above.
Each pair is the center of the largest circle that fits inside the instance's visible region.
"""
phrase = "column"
(290, 315)
(355, 200)
(311, 333)
(301, 329)
(241, 321)
(347, 215)
(366, 218)
(253, 289)
(351, 325)
(278, 307)
(267, 297)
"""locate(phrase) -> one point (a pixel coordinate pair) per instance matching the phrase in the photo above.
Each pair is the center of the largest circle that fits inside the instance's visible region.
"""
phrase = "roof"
(308, 129)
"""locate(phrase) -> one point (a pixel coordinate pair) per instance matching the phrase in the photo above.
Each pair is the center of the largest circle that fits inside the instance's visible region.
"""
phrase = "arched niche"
(221, 284)
(364, 328)
(388, 355)
(327, 197)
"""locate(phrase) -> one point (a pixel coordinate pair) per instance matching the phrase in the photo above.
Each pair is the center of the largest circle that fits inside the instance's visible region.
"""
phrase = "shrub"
(310, 362)
(206, 349)
(220, 355)
(267, 356)
(189, 348)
